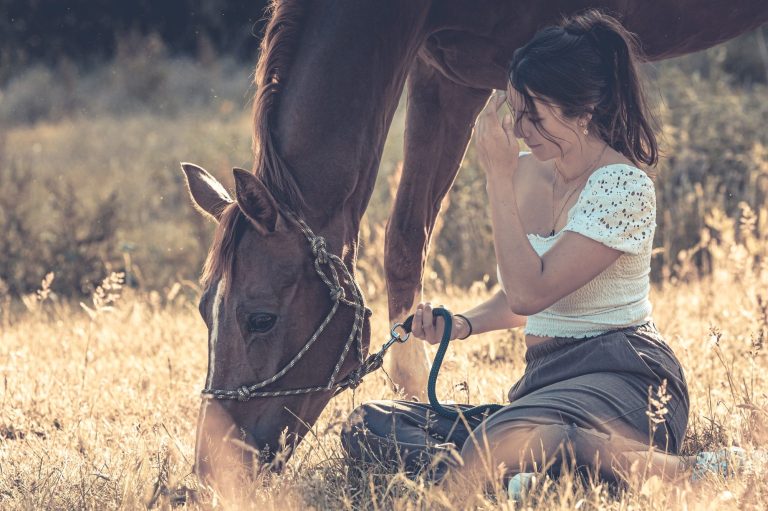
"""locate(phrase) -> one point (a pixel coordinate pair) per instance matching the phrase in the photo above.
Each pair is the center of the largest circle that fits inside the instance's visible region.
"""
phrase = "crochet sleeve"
(618, 209)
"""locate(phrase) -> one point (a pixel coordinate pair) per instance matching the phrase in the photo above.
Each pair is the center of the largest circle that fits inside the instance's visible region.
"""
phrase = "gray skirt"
(597, 389)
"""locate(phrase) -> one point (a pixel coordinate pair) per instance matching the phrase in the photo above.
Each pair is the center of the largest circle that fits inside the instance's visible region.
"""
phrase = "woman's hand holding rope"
(430, 328)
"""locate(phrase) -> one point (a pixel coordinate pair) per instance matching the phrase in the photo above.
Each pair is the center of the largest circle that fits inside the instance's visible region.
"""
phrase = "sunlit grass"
(99, 408)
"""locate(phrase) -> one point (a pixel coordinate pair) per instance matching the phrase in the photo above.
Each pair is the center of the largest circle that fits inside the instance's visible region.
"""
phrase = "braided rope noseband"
(321, 258)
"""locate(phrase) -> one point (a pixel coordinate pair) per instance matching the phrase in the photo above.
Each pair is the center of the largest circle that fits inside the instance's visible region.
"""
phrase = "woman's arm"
(534, 283)
(492, 314)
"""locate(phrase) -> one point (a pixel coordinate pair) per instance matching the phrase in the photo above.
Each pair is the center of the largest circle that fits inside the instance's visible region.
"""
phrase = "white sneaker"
(519, 485)
(723, 463)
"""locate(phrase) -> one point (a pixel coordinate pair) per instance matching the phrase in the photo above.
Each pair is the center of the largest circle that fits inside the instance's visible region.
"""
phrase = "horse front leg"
(439, 121)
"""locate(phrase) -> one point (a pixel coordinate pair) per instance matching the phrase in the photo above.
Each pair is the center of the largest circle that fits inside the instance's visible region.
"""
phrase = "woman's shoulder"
(620, 175)
(617, 208)
(617, 192)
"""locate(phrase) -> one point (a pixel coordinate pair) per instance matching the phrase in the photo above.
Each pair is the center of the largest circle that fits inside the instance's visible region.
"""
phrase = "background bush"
(90, 31)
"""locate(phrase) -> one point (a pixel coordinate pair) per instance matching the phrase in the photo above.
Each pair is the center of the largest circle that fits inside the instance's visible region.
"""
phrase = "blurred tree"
(44, 31)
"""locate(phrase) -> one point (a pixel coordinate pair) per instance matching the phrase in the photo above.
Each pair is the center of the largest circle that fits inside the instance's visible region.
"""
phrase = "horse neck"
(344, 84)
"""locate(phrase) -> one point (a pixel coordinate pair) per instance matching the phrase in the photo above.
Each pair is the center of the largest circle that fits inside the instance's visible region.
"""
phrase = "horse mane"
(221, 256)
(275, 58)
(276, 53)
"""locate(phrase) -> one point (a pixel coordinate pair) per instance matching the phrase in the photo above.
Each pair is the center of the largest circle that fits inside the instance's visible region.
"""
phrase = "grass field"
(98, 403)
(99, 407)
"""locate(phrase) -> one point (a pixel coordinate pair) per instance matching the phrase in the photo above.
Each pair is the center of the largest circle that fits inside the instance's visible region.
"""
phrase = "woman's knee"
(499, 447)
(520, 446)
(372, 428)
(524, 446)
(358, 427)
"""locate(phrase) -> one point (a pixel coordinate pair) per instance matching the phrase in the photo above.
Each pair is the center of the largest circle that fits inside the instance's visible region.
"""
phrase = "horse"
(286, 321)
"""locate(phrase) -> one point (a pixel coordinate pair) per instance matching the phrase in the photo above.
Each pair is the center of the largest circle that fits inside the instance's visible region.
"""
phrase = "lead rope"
(432, 381)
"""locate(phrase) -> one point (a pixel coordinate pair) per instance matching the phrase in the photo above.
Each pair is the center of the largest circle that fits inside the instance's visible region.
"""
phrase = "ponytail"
(599, 58)
(622, 110)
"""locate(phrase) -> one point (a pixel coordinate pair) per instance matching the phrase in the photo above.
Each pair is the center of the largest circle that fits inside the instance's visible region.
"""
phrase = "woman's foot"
(519, 485)
(722, 463)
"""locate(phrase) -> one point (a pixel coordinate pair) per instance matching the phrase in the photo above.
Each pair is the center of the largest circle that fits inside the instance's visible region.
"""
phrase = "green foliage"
(42, 32)
(716, 149)
(47, 225)
(140, 79)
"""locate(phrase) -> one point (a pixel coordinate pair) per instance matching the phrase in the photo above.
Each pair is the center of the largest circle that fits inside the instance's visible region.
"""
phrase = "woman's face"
(552, 125)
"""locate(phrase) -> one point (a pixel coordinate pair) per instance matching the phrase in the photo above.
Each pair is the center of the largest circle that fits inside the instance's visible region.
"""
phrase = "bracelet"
(469, 324)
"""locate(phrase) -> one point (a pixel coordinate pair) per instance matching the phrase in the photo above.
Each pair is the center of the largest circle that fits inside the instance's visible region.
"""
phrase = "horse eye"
(261, 322)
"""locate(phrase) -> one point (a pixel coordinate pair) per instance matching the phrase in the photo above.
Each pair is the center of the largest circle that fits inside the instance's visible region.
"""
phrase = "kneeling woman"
(573, 224)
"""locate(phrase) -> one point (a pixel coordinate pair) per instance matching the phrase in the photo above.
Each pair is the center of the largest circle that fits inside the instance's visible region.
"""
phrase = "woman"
(573, 225)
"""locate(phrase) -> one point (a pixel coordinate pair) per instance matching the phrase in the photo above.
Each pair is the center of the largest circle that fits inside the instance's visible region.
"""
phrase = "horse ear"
(255, 201)
(209, 195)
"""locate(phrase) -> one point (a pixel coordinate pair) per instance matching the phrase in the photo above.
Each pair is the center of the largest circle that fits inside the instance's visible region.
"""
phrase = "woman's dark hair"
(588, 64)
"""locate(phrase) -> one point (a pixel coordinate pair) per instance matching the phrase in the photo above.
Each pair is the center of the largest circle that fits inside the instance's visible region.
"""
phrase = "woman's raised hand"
(430, 328)
(496, 144)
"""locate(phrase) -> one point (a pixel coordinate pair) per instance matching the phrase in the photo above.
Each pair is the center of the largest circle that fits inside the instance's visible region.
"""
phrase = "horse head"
(286, 323)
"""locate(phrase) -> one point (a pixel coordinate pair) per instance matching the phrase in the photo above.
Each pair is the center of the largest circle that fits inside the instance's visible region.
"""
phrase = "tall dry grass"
(99, 402)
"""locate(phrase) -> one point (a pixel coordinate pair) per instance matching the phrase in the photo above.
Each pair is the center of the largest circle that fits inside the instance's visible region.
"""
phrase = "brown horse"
(280, 273)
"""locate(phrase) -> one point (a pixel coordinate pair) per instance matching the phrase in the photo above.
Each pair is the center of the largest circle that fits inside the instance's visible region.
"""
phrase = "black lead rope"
(432, 382)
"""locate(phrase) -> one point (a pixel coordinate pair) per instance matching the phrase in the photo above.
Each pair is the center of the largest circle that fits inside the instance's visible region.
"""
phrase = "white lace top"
(617, 207)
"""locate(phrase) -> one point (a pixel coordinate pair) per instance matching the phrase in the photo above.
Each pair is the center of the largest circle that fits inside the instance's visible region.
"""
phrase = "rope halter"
(328, 267)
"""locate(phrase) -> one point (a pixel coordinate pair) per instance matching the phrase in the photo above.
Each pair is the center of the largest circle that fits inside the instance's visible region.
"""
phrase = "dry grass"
(99, 405)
